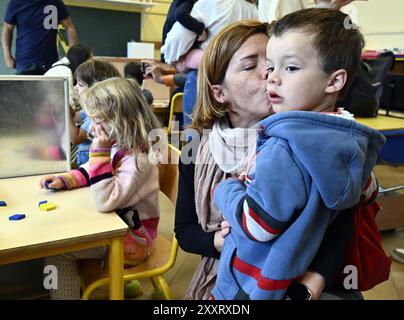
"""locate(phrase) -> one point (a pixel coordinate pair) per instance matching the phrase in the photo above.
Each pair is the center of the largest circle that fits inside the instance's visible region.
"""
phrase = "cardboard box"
(140, 50)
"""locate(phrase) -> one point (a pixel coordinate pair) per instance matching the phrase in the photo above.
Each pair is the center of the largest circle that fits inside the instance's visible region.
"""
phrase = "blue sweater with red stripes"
(309, 166)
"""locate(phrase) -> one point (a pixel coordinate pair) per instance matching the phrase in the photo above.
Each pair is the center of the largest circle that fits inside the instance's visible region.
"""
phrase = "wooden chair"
(165, 252)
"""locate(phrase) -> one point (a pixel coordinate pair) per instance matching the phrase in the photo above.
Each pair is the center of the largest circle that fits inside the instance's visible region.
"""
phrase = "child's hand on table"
(52, 183)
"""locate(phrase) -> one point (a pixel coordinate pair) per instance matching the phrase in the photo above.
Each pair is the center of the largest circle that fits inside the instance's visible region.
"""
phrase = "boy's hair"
(213, 67)
(94, 71)
(120, 102)
(134, 70)
(78, 54)
(336, 39)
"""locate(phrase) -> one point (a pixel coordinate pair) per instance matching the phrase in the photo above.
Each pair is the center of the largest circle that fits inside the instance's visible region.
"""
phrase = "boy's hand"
(226, 228)
(218, 239)
(52, 182)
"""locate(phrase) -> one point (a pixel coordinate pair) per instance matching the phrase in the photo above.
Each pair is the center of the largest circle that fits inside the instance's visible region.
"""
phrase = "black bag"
(364, 94)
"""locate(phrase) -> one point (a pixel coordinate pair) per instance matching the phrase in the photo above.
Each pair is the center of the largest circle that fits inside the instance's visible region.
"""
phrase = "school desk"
(392, 153)
(74, 225)
(393, 129)
(383, 123)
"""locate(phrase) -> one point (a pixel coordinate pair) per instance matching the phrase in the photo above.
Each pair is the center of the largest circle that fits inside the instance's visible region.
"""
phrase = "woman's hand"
(154, 70)
(52, 182)
(221, 234)
(202, 37)
(315, 282)
(334, 4)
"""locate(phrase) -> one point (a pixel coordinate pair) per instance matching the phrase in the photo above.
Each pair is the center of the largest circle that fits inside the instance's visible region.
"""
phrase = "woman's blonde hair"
(213, 67)
(120, 102)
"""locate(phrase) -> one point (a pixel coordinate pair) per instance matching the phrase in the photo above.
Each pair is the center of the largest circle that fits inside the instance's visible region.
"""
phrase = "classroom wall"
(381, 22)
(152, 23)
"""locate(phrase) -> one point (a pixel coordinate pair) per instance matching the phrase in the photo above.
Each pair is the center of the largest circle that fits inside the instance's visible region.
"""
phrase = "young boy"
(309, 165)
(135, 71)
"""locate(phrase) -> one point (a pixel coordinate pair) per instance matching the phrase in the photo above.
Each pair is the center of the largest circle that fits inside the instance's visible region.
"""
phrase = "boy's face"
(296, 80)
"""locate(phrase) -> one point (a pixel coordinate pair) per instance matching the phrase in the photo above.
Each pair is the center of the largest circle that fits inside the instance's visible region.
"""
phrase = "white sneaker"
(398, 255)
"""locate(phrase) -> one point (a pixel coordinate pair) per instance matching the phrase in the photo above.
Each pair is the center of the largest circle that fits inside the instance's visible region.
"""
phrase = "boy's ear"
(337, 81)
(218, 93)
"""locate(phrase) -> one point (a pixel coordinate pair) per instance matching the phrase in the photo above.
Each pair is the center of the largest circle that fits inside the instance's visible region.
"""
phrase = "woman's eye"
(291, 68)
(250, 67)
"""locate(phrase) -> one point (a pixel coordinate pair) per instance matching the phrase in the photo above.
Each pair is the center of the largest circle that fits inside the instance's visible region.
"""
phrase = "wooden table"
(74, 225)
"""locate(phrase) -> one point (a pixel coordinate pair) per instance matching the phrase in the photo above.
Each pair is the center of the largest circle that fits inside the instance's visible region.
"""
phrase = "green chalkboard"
(107, 32)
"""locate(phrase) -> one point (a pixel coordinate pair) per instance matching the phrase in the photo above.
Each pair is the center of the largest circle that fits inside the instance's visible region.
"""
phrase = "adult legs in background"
(189, 98)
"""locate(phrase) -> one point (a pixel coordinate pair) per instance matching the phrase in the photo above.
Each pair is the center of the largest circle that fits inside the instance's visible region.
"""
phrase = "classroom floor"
(393, 289)
(179, 277)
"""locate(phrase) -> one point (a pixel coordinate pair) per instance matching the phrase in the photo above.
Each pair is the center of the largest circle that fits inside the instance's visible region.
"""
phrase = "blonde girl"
(120, 176)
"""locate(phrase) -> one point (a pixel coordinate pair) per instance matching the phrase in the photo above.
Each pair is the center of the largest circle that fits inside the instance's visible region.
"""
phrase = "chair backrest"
(175, 106)
(380, 67)
(165, 252)
(364, 94)
(168, 174)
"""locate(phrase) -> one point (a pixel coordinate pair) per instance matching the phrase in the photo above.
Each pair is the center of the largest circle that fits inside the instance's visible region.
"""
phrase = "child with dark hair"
(66, 67)
(136, 71)
(86, 75)
(312, 159)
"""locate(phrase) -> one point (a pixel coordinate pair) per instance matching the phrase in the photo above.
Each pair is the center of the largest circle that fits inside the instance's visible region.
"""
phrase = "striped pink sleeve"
(76, 178)
(100, 166)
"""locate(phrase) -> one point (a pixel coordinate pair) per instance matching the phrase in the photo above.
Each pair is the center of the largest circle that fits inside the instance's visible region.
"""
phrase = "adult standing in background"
(269, 10)
(36, 22)
(215, 15)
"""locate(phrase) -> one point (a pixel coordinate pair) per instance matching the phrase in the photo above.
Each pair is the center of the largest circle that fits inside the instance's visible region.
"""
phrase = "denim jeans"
(189, 98)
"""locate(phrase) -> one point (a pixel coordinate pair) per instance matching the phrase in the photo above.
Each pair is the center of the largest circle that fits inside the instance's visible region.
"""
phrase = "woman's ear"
(218, 93)
(337, 81)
